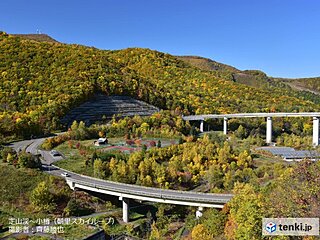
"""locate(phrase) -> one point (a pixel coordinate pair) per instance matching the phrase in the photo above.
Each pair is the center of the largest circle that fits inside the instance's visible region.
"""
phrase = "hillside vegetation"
(219, 69)
(307, 84)
(303, 88)
(37, 37)
(40, 82)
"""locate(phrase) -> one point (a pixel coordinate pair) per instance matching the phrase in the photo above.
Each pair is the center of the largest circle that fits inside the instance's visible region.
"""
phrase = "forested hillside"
(37, 37)
(303, 88)
(307, 84)
(40, 82)
(219, 69)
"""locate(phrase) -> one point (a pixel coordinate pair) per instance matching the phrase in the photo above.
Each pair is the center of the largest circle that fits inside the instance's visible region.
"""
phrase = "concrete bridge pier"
(201, 125)
(125, 209)
(315, 136)
(269, 130)
(225, 126)
(199, 212)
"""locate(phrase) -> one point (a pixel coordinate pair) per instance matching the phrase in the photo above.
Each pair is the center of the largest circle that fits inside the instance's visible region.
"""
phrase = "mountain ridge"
(254, 78)
(198, 61)
(40, 37)
(41, 82)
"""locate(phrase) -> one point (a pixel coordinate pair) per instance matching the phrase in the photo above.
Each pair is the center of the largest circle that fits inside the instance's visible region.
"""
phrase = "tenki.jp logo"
(271, 227)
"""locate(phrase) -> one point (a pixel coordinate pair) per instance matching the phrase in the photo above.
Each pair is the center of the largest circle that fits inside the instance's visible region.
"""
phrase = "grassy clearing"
(78, 231)
(261, 160)
(15, 188)
(73, 161)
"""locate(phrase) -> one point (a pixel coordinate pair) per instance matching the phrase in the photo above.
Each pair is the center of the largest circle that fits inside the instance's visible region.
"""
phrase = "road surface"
(118, 188)
(250, 115)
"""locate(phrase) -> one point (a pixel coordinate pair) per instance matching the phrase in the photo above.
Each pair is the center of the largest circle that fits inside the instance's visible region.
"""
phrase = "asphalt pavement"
(48, 159)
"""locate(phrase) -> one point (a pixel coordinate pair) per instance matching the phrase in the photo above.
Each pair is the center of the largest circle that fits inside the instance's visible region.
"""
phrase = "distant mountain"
(305, 88)
(253, 78)
(207, 64)
(303, 84)
(37, 37)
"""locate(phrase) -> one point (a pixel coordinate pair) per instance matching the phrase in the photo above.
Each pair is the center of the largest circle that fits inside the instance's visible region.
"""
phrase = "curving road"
(148, 193)
(120, 189)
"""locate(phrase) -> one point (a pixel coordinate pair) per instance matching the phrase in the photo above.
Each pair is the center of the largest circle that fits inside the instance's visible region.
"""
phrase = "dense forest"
(262, 187)
(303, 88)
(41, 81)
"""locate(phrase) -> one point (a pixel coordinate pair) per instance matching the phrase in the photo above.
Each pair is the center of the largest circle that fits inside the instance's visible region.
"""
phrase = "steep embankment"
(101, 107)
(40, 82)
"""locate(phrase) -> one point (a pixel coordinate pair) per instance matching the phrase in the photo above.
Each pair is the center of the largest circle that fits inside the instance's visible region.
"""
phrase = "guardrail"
(251, 115)
(168, 194)
(148, 194)
(136, 190)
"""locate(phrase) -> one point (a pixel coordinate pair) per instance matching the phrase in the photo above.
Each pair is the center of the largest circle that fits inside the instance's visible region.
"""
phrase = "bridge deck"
(250, 115)
(136, 191)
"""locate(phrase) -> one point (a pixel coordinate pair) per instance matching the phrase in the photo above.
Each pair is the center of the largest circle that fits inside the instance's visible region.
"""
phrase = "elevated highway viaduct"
(136, 192)
(125, 192)
(314, 115)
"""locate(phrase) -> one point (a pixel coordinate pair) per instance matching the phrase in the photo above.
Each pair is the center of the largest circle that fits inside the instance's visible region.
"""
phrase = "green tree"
(41, 198)
(244, 159)
(27, 160)
(241, 132)
(155, 232)
(224, 153)
(72, 208)
(74, 126)
(193, 131)
(5, 151)
(98, 168)
(295, 193)
(94, 157)
(215, 176)
(144, 148)
(82, 131)
(214, 221)
(200, 232)
(244, 220)
(10, 158)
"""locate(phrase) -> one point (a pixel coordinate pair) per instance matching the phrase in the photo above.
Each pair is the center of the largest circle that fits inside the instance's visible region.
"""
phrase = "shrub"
(129, 142)
(5, 152)
(152, 143)
(27, 160)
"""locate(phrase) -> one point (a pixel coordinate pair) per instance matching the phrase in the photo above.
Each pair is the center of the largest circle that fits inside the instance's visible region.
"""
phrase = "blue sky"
(279, 37)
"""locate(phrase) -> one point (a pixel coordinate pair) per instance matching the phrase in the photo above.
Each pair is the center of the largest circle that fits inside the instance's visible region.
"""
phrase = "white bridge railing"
(149, 191)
